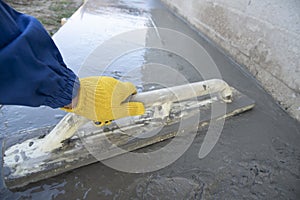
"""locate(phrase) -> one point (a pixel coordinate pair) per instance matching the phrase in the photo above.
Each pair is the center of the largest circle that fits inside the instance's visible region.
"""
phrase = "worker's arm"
(32, 71)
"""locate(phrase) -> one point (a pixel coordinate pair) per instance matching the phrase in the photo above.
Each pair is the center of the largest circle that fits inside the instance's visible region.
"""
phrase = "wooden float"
(46, 152)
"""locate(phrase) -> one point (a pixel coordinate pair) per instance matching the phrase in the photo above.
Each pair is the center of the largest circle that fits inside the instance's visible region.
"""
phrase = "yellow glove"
(102, 99)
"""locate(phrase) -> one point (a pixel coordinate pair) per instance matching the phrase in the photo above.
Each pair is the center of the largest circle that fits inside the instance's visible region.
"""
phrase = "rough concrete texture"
(256, 157)
(262, 35)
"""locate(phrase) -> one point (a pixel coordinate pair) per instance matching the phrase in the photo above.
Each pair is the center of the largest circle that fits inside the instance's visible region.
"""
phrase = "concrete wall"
(262, 35)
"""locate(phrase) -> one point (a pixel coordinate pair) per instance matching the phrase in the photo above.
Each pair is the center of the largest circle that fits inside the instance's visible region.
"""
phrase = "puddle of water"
(93, 26)
(14, 119)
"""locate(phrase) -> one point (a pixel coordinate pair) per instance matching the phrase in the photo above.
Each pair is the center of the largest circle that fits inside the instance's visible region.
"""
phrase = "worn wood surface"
(23, 164)
(161, 97)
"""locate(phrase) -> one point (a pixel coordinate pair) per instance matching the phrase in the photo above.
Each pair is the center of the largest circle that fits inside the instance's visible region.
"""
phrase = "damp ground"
(256, 157)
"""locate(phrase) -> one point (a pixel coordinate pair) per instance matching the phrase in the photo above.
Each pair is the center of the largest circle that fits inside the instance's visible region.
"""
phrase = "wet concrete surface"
(257, 156)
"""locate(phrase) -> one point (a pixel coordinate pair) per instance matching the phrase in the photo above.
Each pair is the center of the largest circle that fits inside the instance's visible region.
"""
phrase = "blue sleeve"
(32, 71)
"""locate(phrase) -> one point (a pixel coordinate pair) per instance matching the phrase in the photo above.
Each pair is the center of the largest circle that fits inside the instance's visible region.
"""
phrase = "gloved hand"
(102, 98)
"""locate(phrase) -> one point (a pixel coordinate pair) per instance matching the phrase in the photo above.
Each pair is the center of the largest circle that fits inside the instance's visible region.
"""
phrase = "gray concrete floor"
(257, 156)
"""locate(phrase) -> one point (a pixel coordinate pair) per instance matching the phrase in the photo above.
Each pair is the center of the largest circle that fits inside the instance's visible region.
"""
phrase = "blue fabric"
(32, 71)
